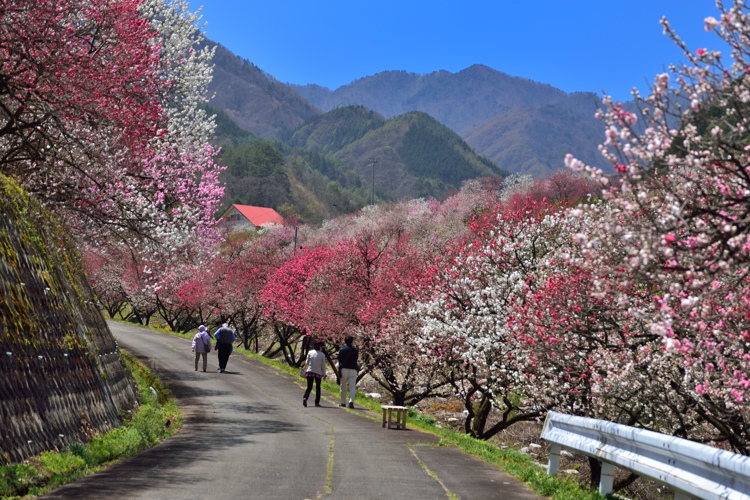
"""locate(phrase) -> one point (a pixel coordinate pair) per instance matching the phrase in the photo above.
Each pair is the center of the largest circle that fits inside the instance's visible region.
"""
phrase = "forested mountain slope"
(415, 156)
(254, 101)
(316, 152)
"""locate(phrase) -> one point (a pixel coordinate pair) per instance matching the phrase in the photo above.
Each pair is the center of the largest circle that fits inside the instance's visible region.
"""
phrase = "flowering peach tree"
(284, 300)
(88, 121)
(238, 275)
(365, 290)
(467, 325)
(681, 217)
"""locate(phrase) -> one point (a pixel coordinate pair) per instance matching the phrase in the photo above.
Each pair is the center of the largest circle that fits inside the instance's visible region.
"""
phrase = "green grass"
(156, 419)
(516, 464)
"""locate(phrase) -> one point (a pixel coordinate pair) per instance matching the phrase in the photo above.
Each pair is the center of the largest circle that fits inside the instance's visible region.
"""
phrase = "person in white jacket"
(201, 346)
(315, 370)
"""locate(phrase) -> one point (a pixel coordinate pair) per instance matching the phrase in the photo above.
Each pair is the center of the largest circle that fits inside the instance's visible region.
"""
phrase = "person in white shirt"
(315, 370)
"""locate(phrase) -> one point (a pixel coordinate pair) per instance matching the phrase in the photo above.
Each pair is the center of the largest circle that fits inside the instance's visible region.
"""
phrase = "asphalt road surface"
(247, 435)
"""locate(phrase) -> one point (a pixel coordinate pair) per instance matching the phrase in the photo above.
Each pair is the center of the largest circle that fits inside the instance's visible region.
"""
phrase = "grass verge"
(516, 464)
(156, 419)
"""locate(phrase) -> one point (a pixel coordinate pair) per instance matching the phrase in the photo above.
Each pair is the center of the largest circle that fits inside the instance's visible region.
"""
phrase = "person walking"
(201, 346)
(348, 369)
(224, 338)
(315, 370)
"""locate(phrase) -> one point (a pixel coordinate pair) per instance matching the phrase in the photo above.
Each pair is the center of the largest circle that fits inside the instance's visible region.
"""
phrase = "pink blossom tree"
(568, 186)
(180, 298)
(105, 277)
(680, 216)
(140, 285)
(84, 121)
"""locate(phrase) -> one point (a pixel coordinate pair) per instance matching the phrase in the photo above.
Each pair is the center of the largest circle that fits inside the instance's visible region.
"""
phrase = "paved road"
(247, 435)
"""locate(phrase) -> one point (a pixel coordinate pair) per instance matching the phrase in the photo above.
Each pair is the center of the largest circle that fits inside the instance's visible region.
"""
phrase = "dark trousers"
(224, 351)
(317, 388)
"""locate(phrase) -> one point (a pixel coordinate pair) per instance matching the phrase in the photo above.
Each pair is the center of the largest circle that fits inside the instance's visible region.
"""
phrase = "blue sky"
(575, 45)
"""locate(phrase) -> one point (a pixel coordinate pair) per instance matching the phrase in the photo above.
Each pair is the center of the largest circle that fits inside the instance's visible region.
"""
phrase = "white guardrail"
(691, 469)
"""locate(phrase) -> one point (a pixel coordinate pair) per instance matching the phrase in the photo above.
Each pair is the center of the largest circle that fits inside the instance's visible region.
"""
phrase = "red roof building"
(249, 217)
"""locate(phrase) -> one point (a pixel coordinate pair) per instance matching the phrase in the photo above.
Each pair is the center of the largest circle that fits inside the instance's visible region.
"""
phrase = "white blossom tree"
(467, 325)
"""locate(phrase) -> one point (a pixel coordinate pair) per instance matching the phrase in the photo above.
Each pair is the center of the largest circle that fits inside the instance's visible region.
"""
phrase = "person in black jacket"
(348, 368)
(224, 338)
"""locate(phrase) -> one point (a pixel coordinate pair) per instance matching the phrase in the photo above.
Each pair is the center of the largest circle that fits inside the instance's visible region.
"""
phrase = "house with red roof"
(249, 217)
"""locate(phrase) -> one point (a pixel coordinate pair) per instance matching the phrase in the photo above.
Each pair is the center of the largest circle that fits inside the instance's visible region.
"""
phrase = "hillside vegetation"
(252, 99)
(331, 164)
(532, 139)
(332, 131)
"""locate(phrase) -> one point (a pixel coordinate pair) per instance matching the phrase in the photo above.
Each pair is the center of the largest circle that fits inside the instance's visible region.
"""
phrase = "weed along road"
(247, 435)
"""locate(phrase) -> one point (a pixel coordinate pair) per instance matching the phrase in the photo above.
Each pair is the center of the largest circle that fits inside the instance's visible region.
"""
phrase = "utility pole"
(373, 161)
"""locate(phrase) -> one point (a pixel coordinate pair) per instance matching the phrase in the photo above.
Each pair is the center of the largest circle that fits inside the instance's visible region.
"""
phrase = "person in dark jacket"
(224, 338)
(348, 368)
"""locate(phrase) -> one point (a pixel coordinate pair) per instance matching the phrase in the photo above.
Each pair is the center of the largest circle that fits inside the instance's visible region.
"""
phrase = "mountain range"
(407, 135)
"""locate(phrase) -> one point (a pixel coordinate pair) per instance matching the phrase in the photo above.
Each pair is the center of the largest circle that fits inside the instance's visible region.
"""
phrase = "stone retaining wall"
(61, 378)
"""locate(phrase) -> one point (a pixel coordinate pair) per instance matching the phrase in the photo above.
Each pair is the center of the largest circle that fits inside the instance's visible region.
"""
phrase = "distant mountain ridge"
(471, 101)
(315, 150)
(459, 100)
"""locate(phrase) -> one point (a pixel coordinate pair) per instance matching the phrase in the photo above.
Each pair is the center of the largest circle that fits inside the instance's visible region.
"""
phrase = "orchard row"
(632, 305)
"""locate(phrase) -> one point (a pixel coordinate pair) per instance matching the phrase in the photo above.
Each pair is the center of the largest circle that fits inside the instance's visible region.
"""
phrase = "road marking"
(433, 474)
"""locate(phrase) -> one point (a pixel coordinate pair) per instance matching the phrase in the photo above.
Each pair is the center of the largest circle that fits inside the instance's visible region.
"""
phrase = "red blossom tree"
(365, 290)
(240, 273)
(82, 120)
(283, 298)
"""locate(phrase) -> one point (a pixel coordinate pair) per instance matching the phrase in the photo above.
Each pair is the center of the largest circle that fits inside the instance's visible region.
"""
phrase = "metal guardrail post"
(554, 459)
(607, 479)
